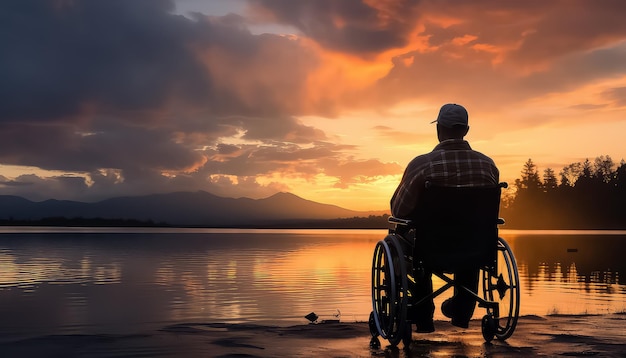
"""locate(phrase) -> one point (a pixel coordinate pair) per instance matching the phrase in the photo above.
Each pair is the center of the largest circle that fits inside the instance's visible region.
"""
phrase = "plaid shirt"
(451, 163)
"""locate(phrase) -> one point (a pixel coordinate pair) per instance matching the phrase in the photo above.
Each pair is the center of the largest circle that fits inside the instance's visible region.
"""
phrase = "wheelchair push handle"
(398, 221)
(503, 184)
(409, 223)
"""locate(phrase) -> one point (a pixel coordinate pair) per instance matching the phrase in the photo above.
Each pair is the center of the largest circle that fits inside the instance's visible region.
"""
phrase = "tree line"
(82, 222)
(584, 195)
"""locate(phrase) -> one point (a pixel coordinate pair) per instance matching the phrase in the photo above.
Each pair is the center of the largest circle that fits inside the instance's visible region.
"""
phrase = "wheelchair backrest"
(457, 227)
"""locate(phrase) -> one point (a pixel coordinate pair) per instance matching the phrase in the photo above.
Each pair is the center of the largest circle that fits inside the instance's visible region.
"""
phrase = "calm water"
(99, 281)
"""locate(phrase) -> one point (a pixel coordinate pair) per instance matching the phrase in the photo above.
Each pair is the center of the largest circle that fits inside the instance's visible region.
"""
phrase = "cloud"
(576, 28)
(350, 26)
(359, 171)
(484, 47)
(616, 95)
(131, 97)
(129, 86)
(402, 137)
(35, 188)
(61, 57)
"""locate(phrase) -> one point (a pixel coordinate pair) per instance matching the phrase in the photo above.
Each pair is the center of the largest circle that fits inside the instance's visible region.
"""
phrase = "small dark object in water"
(572, 250)
(330, 321)
(312, 317)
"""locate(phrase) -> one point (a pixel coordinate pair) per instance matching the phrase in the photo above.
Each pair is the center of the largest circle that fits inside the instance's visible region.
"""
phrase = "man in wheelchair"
(452, 163)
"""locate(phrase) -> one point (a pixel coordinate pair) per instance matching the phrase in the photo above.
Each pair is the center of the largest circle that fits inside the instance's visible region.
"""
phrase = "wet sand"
(546, 336)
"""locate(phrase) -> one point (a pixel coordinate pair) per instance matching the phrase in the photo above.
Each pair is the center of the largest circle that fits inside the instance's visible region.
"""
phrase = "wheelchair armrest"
(398, 221)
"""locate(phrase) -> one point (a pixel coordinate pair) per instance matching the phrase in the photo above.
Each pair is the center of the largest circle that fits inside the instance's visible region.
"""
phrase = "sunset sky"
(326, 99)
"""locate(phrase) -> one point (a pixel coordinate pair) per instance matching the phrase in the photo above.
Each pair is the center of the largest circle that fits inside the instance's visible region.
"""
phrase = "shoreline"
(554, 335)
(16, 229)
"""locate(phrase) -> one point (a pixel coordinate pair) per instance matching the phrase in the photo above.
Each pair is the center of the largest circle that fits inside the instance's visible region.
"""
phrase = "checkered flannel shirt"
(451, 163)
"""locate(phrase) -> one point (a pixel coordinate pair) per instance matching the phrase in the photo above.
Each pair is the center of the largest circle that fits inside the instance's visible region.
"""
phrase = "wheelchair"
(454, 228)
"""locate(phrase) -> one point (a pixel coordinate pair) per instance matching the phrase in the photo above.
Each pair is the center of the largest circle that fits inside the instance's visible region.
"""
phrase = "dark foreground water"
(107, 280)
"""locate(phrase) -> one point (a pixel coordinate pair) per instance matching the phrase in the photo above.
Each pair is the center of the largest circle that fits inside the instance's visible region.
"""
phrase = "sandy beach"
(546, 336)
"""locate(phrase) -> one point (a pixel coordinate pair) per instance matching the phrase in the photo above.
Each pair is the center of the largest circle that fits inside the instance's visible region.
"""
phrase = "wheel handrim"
(389, 290)
(507, 288)
(382, 290)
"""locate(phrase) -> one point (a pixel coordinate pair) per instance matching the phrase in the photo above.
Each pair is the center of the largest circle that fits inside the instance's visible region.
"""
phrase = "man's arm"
(404, 199)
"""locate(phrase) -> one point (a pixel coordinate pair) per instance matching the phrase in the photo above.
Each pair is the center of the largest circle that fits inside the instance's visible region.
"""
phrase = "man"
(451, 163)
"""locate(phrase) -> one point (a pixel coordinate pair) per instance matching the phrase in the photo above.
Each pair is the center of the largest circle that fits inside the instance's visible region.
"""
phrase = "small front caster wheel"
(488, 326)
(374, 343)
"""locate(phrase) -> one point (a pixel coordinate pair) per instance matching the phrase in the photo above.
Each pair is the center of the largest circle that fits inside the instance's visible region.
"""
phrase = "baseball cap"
(452, 114)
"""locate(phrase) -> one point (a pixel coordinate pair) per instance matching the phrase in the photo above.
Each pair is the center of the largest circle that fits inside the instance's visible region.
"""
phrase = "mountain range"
(181, 208)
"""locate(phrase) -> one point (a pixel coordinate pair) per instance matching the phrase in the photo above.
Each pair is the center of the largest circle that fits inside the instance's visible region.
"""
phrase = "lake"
(86, 280)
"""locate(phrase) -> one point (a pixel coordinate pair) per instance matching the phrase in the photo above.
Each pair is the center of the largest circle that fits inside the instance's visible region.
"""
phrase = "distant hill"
(182, 208)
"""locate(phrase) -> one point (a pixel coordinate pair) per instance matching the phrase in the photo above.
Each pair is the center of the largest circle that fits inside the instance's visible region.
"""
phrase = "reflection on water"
(570, 272)
(78, 282)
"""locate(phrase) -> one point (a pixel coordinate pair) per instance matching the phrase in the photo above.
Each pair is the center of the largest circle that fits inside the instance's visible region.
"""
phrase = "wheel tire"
(502, 286)
(488, 327)
(407, 337)
(372, 325)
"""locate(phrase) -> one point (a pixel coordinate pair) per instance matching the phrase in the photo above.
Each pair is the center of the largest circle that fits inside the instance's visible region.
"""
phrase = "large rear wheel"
(389, 290)
(502, 286)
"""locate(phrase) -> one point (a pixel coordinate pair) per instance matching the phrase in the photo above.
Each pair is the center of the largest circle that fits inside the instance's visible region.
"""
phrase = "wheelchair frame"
(393, 275)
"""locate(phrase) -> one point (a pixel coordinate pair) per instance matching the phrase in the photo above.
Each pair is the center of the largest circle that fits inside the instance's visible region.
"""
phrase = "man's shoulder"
(483, 156)
(480, 154)
(422, 159)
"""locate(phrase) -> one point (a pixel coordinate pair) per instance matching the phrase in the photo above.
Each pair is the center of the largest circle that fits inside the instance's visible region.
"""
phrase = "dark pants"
(464, 302)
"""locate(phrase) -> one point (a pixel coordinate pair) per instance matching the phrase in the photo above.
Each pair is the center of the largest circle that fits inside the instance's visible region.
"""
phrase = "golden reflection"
(558, 273)
(572, 274)
(165, 274)
(328, 274)
(107, 274)
(323, 263)
(34, 270)
(9, 272)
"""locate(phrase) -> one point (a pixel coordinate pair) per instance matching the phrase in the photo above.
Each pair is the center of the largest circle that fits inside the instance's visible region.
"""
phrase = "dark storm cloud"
(110, 84)
(33, 187)
(61, 59)
(60, 56)
(124, 91)
(354, 26)
(57, 147)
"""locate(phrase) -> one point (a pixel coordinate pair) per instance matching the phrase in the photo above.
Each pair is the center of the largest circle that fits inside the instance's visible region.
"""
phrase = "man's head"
(452, 122)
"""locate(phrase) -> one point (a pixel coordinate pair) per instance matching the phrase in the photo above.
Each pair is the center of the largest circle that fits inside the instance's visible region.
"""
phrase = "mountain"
(181, 208)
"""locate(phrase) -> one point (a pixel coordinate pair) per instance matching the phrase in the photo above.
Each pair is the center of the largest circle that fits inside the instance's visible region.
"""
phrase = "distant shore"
(372, 222)
(548, 336)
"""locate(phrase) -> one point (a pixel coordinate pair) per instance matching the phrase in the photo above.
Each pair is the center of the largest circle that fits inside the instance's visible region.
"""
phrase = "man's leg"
(461, 306)
(467, 302)
(422, 314)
